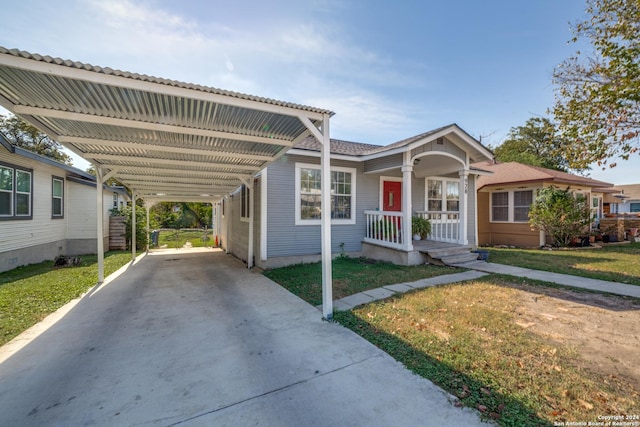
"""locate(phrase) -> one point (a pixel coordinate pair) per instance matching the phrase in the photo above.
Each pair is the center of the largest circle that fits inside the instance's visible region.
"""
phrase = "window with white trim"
(115, 200)
(634, 207)
(522, 201)
(57, 197)
(443, 193)
(15, 192)
(308, 194)
(511, 206)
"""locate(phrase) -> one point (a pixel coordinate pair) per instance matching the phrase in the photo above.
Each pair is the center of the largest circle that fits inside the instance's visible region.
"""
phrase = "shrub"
(559, 214)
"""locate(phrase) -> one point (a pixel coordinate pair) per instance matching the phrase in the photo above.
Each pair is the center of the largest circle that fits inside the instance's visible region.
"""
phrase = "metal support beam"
(99, 225)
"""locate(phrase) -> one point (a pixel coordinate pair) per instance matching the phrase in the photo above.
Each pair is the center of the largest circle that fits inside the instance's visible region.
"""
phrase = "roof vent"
(440, 141)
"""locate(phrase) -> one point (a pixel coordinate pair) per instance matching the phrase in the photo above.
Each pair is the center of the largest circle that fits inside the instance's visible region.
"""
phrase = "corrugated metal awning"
(165, 140)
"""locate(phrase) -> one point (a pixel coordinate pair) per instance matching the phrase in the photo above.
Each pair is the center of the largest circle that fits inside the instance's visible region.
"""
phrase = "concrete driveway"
(194, 339)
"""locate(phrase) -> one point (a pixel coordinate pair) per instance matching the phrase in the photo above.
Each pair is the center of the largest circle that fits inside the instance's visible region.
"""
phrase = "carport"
(165, 140)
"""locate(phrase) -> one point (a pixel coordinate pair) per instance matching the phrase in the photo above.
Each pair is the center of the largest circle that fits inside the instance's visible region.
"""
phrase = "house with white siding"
(375, 191)
(47, 208)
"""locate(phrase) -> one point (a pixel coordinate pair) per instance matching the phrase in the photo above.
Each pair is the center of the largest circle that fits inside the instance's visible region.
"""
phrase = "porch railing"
(445, 225)
(384, 228)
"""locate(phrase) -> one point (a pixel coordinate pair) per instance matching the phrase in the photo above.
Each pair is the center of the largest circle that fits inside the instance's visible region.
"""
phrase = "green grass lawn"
(350, 276)
(617, 263)
(177, 238)
(28, 294)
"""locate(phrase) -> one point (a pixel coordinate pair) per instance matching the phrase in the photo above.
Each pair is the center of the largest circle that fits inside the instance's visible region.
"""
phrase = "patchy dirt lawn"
(603, 330)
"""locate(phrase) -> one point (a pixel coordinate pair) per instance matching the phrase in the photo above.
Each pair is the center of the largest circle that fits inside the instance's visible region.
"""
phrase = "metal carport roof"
(165, 140)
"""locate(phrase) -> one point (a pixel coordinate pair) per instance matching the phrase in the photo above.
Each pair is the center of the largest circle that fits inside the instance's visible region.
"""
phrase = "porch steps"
(450, 255)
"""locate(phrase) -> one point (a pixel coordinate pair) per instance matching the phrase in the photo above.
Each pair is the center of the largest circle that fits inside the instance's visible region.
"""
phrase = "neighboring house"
(626, 199)
(375, 190)
(47, 208)
(505, 196)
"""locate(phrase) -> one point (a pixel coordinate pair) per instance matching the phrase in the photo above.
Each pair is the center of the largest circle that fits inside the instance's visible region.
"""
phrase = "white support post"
(227, 227)
(464, 214)
(99, 223)
(214, 220)
(133, 226)
(325, 208)
(323, 136)
(263, 215)
(249, 184)
(407, 207)
(148, 207)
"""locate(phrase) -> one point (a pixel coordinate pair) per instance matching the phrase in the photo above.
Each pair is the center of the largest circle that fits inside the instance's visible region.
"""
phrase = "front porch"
(386, 239)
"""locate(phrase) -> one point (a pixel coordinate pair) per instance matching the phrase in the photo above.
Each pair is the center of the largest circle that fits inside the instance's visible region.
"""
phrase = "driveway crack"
(277, 390)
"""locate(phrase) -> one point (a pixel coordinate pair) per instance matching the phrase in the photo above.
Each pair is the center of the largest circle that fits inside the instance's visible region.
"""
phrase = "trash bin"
(154, 237)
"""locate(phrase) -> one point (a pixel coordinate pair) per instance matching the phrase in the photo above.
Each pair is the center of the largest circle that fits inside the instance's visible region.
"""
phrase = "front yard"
(520, 352)
(28, 294)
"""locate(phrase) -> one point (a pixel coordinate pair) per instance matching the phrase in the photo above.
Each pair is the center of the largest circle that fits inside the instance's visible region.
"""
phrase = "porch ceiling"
(164, 139)
(436, 166)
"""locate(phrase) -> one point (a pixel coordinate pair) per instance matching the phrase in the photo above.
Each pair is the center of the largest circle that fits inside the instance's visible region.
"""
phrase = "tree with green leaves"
(598, 93)
(537, 143)
(22, 134)
(559, 214)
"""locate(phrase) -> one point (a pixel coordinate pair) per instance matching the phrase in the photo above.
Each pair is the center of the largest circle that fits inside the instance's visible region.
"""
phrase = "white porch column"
(464, 212)
(407, 206)
(133, 226)
(99, 223)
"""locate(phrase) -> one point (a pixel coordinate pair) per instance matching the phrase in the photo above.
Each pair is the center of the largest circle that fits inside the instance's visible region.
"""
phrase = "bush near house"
(560, 214)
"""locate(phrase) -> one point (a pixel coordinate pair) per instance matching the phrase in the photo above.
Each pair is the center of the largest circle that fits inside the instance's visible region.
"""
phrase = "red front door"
(392, 196)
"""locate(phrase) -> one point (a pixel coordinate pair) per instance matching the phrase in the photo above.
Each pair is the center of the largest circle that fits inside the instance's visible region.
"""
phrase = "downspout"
(133, 226)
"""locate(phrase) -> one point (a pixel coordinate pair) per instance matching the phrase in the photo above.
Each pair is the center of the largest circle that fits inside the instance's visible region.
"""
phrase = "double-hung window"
(308, 194)
(57, 199)
(443, 195)
(511, 206)
(16, 194)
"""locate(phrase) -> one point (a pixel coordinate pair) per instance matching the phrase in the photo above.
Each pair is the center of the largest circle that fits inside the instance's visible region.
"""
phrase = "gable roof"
(360, 149)
(518, 173)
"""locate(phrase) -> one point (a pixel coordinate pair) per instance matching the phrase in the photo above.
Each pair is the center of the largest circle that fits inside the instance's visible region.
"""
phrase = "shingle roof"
(361, 149)
(515, 173)
(337, 146)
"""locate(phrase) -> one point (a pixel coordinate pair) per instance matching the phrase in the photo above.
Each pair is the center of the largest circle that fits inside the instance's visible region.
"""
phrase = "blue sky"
(388, 69)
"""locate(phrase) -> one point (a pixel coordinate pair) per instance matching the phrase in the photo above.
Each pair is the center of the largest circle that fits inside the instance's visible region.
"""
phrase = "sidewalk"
(479, 269)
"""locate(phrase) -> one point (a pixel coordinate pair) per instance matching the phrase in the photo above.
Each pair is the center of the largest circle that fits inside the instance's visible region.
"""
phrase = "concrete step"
(448, 251)
(459, 258)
